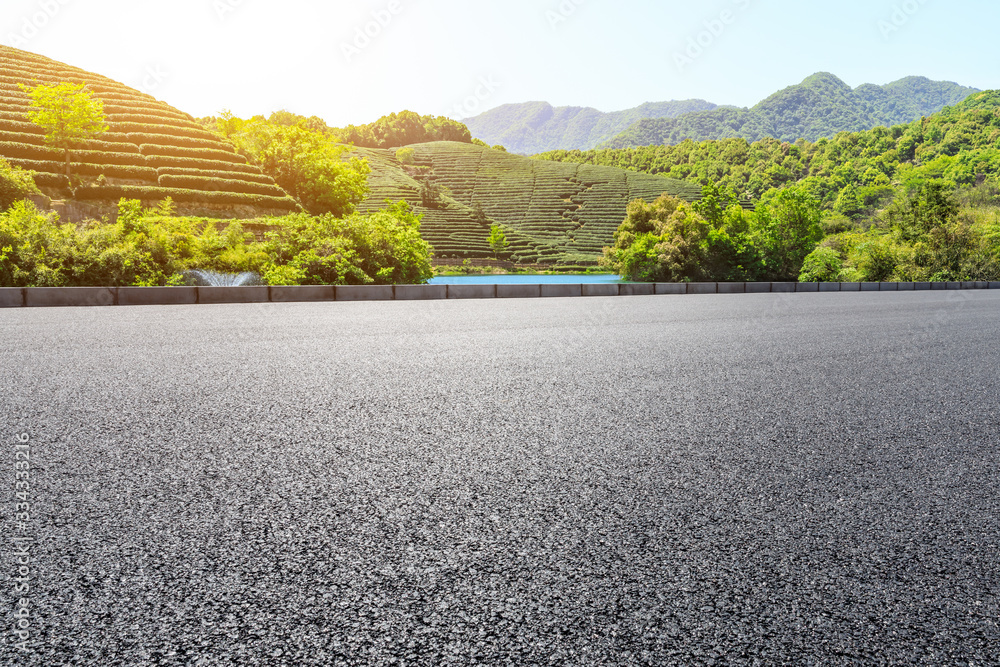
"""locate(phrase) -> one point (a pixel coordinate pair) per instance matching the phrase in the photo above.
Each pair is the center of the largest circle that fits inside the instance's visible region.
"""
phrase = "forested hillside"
(914, 202)
(820, 106)
(533, 127)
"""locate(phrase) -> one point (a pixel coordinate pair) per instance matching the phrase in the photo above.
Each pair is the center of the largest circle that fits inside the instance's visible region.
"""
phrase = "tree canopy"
(69, 114)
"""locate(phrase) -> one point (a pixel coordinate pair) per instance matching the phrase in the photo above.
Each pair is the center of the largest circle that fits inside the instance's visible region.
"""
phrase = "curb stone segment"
(157, 296)
(829, 287)
(732, 288)
(888, 287)
(703, 288)
(781, 288)
(870, 287)
(216, 295)
(600, 290)
(302, 293)
(562, 290)
(758, 288)
(11, 297)
(70, 296)
(519, 291)
(421, 292)
(637, 289)
(906, 287)
(472, 291)
(671, 288)
(850, 287)
(365, 293)
(807, 287)
(953, 286)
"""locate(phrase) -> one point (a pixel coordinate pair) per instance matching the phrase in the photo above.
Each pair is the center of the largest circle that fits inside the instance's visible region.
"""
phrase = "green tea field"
(554, 212)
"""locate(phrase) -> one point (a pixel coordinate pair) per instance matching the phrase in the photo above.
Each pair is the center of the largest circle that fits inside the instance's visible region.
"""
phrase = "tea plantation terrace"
(151, 151)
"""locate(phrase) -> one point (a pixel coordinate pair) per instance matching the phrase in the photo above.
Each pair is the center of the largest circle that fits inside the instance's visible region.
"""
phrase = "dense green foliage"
(716, 239)
(533, 127)
(306, 163)
(392, 131)
(821, 106)
(146, 247)
(15, 184)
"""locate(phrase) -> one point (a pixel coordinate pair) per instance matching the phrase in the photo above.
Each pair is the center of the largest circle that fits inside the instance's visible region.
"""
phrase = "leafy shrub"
(15, 184)
(823, 265)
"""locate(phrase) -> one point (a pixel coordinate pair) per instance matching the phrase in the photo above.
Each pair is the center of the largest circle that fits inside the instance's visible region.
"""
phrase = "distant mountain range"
(821, 106)
(535, 127)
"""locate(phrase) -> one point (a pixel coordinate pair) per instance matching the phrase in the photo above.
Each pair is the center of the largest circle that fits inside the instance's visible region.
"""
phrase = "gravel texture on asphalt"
(752, 479)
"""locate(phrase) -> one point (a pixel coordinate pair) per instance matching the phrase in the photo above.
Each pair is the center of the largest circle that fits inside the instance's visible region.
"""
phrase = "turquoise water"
(529, 279)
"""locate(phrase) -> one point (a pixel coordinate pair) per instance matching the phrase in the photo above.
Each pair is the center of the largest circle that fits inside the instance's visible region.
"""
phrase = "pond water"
(529, 279)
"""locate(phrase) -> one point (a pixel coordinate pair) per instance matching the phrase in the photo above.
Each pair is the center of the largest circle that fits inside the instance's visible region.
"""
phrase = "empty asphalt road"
(748, 479)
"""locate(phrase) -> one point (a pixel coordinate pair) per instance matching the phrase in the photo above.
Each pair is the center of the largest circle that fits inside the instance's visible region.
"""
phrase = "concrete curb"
(16, 297)
(471, 291)
(11, 297)
(157, 296)
(519, 291)
(303, 293)
(219, 295)
(365, 293)
(421, 292)
(559, 290)
(47, 297)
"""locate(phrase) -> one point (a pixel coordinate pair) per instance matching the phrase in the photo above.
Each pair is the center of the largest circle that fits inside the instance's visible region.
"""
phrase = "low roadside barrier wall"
(17, 297)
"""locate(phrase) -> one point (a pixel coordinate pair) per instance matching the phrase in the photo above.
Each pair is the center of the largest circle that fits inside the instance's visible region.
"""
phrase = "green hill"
(821, 106)
(554, 212)
(151, 150)
(534, 127)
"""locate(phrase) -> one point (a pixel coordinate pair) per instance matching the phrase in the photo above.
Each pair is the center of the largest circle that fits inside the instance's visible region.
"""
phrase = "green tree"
(498, 240)
(788, 230)
(68, 114)
(309, 165)
(659, 242)
(405, 156)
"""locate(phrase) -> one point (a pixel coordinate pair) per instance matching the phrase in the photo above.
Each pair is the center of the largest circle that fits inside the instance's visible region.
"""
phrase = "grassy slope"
(150, 151)
(555, 212)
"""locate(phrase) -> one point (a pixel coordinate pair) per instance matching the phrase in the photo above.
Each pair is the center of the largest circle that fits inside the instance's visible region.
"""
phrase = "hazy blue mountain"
(534, 127)
(821, 106)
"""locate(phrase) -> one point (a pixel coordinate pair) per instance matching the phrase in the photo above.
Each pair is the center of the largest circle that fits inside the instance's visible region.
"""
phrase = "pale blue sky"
(458, 57)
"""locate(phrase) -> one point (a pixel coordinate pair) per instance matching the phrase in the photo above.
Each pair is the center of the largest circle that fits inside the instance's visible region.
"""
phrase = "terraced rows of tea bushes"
(555, 212)
(151, 150)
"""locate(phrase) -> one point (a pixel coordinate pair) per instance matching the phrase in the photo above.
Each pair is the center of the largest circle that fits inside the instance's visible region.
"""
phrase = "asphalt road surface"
(750, 479)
